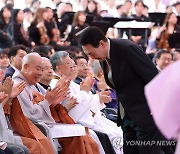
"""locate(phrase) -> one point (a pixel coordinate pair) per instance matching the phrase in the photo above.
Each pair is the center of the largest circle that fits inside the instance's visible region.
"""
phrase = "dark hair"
(27, 10)
(139, 1)
(15, 13)
(47, 7)
(4, 53)
(175, 4)
(73, 50)
(14, 50)
(95, 12)
(80, 57)
(34, 1)
(167, 18)
(128, 1)
(160, 52)
(145, 6)
(38, 16)
(119, 6)
(76, 17)
(168, 6)
(67, 3)
(1, 13)
(43, 50)
(92, 35)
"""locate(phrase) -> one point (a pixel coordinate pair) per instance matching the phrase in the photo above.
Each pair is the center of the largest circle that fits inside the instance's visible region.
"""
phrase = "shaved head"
(30, 58)
(45, 59)
(32, 68)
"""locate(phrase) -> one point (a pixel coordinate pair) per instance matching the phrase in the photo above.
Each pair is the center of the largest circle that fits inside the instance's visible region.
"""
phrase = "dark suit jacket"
(8, 72)
(132, 69)
(78, 80)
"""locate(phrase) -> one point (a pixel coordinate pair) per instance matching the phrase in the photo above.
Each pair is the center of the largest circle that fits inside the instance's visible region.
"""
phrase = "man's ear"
(25, 67)
(58, 68)
(11, 58)
(102, 43)
(155, 61)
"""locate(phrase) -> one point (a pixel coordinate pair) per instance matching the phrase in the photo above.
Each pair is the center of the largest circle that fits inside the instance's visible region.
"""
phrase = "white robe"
(41, 113)
(89, 102)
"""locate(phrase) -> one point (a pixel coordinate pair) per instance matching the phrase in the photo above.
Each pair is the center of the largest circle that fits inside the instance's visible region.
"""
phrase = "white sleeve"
(95, 98)
(84, 105)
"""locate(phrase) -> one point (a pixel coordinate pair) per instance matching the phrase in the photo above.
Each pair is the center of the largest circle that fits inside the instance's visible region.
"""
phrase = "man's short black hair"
(80, 57)
(119, 6)
(162, 51)
(92, 35)
(139, 1)
(14, 50)
(4, 53)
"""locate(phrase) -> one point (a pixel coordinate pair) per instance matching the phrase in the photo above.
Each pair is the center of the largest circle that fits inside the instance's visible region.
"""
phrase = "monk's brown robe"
(31, 136)
(70, 145)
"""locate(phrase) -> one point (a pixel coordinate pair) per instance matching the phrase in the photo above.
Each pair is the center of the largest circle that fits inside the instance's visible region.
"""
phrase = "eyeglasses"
(166, 59)
(83, 65)
(69, 64)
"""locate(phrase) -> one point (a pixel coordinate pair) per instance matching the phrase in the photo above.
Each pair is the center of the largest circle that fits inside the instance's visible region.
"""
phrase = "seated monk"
(36, 107)
(16, 142)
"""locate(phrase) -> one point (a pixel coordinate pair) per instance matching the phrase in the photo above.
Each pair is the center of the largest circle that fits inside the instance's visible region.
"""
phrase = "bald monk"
(36, 107)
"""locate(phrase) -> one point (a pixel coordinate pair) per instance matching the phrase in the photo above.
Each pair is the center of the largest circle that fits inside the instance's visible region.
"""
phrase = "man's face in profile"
(99, 53)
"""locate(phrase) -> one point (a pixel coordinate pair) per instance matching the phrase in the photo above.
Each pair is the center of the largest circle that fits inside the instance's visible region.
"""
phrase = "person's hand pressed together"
(105, 97)
(71, 103)
(57, 95)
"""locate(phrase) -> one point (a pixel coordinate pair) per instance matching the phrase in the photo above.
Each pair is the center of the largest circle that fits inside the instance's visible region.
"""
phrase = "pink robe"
(163, 96)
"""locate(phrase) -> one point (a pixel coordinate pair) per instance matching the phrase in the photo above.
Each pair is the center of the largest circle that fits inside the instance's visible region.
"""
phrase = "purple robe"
(163, 96)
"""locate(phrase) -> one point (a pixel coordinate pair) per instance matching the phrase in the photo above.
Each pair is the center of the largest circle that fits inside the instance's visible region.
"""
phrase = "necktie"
(109, 72)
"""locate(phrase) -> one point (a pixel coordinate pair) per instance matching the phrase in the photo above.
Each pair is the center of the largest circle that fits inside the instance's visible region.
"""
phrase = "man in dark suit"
(127, 69)
(15, 55)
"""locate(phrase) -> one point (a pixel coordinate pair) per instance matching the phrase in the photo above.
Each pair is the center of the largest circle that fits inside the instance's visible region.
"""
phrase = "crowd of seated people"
(46, 81)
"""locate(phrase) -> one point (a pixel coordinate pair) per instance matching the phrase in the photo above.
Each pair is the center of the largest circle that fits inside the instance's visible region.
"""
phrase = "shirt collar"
(159, 69)
(14, 68)
(55, 75)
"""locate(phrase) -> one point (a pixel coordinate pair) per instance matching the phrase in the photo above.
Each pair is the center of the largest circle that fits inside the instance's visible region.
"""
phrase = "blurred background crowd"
(49, 26)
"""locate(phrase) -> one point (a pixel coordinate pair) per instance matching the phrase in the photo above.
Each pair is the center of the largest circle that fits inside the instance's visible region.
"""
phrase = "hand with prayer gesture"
(16, 90)
(87, 83)
(105, 97)
(1, 75)
(7, 86)
(1, 78)
(11, 91)
(63, 81)
(3, 95)
(57, 95)
(71, 103)
(102, 85)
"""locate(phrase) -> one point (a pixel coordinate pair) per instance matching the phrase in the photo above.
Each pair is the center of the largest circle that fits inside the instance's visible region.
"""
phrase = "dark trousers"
(143, 140)
(105, 142)
(6, 151)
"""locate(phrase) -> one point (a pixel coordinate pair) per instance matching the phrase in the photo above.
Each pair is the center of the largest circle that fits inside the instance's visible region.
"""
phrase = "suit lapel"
(113, 62)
